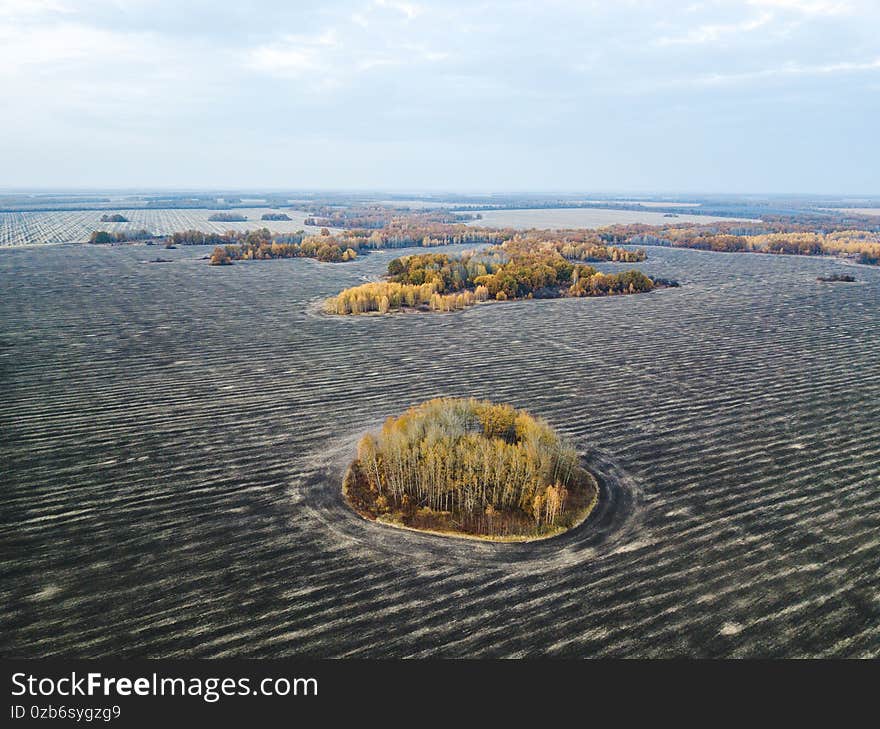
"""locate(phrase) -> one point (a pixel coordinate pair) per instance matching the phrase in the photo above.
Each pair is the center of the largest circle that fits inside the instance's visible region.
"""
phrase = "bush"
(220, 257)
(102, 237)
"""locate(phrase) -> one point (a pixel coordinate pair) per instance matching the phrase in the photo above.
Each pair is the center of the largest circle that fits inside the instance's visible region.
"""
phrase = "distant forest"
(374, 217)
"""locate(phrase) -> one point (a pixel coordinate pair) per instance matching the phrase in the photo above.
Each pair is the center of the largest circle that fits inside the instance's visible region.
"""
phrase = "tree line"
(102, 237)
(316, 247)
(261, 244)
(773, 237)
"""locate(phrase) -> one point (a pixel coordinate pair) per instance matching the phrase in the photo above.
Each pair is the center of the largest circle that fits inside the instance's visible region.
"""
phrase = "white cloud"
(22, 9)
(407, 9)
(368, 64)
(788, 69)
(283, 61)
(557, 72)
(712, 33)
(361, 43)
(295, 55)
(807, 7)
(42, 46)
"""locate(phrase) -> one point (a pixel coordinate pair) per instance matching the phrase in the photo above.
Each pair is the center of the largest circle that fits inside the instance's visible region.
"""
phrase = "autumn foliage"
(517, 269)
(472, 467)
(261, 245)
(862, 246)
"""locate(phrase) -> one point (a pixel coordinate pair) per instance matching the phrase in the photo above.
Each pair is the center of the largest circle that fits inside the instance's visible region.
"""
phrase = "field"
(582, 218)
(76, 226)
(173, 438)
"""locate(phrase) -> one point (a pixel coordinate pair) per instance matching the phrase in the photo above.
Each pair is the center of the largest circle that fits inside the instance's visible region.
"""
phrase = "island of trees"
(837, 278)
(227, 218)
(374, 217)
(514, 270)
(275, 216)
(103, 237)
(261, 244)
(115, 218)
(470, 467)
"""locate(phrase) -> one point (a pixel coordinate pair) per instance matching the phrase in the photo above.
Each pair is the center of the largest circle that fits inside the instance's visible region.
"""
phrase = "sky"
(722, 96)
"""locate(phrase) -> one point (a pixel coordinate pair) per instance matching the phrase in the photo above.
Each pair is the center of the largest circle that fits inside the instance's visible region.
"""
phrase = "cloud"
(67, 42)
(283, 61)
(789, 69)
(807, 7)
(363, 42)
(409, 10)
(22, 9)
(713, 33)
(294, 55)
(565, 78)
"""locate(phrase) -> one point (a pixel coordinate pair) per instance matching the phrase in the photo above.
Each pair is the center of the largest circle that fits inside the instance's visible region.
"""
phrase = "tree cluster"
(386, 296)
(516, 269)
(470, 466)
(594, 252)
(775, 237)
(262, 244)
(227, 218)
(375, 217)
(837, 278)
(102, 237)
